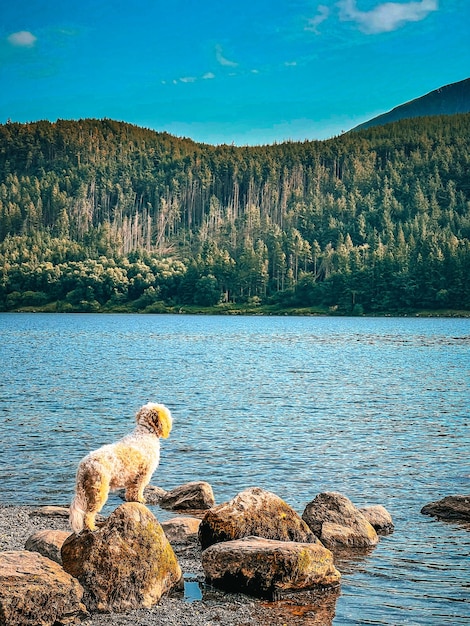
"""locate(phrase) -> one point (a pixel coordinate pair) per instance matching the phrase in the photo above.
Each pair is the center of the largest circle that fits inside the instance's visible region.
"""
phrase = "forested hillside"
(101, 215)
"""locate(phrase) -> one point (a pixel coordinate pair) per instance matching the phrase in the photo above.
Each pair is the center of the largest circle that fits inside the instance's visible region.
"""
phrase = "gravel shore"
(198, 605)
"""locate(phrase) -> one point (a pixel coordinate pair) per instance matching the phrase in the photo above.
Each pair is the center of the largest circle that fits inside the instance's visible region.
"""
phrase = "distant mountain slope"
(447, 100)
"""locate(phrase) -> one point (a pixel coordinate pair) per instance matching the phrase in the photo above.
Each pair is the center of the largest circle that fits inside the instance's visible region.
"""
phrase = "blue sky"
(245, 72)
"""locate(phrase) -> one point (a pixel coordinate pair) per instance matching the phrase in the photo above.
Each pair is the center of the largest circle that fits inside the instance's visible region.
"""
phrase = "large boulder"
(181, 529)
(335, 520)
(128, 563)
(197, 495)
(35, 591)
(266, 567)
(452, 508)
(253, 512)
(378, 516)
(48, 543)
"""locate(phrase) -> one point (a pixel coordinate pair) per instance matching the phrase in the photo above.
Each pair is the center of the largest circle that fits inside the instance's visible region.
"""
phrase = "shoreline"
(198, 604)
(262, 311)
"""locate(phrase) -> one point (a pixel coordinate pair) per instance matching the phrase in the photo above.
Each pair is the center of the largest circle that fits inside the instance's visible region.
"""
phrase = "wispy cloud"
(188, 79)
(22, 39)
(387, 16)
(321, 16)
(222, 59)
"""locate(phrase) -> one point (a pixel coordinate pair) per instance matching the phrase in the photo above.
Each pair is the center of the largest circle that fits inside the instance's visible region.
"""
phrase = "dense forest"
(99, 215)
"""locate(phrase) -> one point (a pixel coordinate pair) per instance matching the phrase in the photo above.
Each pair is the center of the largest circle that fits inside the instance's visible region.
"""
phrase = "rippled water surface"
(377, 409)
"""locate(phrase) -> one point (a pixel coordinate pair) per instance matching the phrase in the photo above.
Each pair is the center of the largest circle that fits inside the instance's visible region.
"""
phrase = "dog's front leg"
(135, 492)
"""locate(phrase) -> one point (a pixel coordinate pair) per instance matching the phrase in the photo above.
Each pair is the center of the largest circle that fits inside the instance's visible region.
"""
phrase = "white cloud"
(23, 39)
(222, 59)
(188, 79)
(321, 16)
(387, 16)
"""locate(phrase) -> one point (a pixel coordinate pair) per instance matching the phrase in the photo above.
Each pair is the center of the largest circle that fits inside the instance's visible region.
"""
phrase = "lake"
(375, 408)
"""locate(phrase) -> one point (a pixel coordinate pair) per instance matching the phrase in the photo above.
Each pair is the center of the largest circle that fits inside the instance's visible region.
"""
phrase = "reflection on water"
(376, 409)
(314, 608)
(192, 588)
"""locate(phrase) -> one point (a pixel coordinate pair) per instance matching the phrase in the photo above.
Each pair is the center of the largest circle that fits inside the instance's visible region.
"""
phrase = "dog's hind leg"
(95, 485)
(89, 522)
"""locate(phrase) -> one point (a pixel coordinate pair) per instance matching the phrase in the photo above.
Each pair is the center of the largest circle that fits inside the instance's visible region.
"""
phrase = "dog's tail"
(77, 512)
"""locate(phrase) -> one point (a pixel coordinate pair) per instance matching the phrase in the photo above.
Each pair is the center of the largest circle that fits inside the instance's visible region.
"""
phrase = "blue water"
(377, 409)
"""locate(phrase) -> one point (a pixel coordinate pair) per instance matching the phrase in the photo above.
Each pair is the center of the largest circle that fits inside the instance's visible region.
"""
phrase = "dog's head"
(157, 416)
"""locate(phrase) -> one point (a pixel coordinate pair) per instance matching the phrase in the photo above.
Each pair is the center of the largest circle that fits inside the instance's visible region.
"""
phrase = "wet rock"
(127, 563)
(153, 494)
(48, 543)
(253, 512)
(452, 508)
(378, 516)
(35, 591)
(195, 495)
(266, 567)
(335, 520)
(181, 529)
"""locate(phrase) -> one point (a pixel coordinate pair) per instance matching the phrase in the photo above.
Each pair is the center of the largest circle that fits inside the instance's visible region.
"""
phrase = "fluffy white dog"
(128, 463)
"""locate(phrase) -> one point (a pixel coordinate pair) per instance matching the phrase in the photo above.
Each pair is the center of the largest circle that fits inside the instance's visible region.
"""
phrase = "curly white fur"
(127, 463)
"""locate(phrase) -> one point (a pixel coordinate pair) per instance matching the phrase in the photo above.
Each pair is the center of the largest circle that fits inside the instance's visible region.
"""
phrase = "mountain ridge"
(449, 99)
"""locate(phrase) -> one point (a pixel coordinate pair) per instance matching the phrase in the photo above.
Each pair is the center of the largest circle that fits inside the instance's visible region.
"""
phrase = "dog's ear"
(158, 417)
(165, 422)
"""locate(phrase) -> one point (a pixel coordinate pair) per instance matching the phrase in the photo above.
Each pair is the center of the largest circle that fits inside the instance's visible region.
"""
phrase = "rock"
(48, 543)
(128, 563)
(253, 512)
(452, 508)
(194, 495)
(335, 520)
(378, 516)
(51, 511)
(152, 494)
(181, 529)
(35, 591)
(266, 567)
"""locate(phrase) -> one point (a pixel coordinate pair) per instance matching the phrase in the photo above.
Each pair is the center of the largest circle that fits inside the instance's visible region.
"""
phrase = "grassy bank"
(232, 309)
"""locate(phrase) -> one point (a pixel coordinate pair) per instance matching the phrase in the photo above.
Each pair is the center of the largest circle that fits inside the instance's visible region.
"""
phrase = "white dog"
(127, 463)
